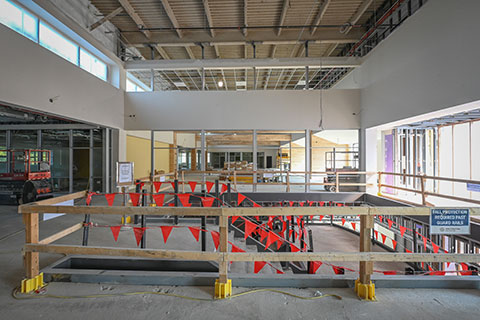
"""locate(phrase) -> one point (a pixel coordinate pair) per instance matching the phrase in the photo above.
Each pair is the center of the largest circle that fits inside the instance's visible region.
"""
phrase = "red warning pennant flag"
(236, 249)
(224, 188)
(279, 243)
(408, 251)
(380, 218)
(435, 248)
(157, 185)
(166, 230)
(390, 223)
(158, 198)
(207, 201)
(110, 198)
(280, 271)
(437, 273)
(353, 225)
(394, 243)
(338, 270)
(184, 199)
(424, 243)
(343, 221)
(294, 248)
(171, 204)
(321, 203)
(263, 234)
(249, 228)
(256, 205)
(195, 232)
(272, 238)
(135, 198)
(173, 185)
(291, 203)
(290, 233)
(193, 185)
(376, 234)
(258, 266)
(89, 198)
(340, 204)
(115, 231)
(384, 237)
(402, 230)
(216, 239)
(209, 186)
(301, 204)
(320, 218)
(429, 268)
(240, 198)
(234, 218)
(389, 273)
(314, 266)
(138, 234)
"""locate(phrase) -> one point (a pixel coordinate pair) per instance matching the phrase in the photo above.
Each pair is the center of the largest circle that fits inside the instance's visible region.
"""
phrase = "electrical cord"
(16, 295)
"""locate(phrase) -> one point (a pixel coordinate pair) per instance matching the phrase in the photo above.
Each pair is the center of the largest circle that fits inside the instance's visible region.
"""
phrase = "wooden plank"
(250, 211)
(49, 201)
(355, 256)
(31, 236)
(123, 252)
(366, 267)
(431, 177)
(222, 263)
(61, 234)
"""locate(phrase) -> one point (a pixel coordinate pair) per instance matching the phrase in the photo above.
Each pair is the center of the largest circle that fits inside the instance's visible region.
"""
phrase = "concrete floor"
(392, 303)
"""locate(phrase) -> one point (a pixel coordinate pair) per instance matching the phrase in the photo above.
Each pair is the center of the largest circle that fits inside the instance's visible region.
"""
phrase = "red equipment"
(25, 175)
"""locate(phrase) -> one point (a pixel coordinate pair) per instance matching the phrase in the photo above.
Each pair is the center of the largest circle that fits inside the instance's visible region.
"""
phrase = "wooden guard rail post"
(365, 257)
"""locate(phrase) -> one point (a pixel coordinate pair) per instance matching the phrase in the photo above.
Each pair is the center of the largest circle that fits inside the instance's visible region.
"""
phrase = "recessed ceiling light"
(220, 84)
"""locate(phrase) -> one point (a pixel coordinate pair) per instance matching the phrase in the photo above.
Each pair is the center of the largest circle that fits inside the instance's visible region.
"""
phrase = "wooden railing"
(423, 190)
(33, 245)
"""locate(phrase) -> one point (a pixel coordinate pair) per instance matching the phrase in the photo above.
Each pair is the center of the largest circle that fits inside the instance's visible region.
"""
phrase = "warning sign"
(449, 221)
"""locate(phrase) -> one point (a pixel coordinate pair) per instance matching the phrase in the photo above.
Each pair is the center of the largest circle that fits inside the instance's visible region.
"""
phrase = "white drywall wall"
(241, 110)
(31, 75)
(429, 63)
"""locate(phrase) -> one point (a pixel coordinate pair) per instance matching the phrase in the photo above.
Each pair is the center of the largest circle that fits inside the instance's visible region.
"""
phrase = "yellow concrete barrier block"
(223, 290)
(29, 285)
(365, 291)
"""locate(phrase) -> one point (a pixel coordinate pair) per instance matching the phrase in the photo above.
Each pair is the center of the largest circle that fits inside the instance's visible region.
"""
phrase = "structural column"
(34, 279)
(223, 285)
(255, 164)
(364, 287)
(308, 164)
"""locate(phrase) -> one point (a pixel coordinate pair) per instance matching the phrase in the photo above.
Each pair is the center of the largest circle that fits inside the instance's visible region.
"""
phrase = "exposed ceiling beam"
(162, 52)
(135, 17)
(190, 52)
(328, 35)
(108, 17)
(217, 52)
(321, 12)
(206, 8)
(286, 4)
(245, 17)
(358, 14)
(172, 17)
(274, 50)
(331, 49)
(190, 64)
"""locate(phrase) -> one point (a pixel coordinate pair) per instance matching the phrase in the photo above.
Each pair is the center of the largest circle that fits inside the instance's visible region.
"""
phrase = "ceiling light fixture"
(220, 84)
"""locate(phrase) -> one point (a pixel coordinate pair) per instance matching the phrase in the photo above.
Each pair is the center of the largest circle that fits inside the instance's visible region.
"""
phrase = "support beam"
(286, 4)
(189, 64)
(190, 52)
(245, 17)
(321, 12)
(206, 8)
(217, 52)
(172, 17)
(135, 17)
(234, 38)
(162, 52)
(108, 17)
(331, 49)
